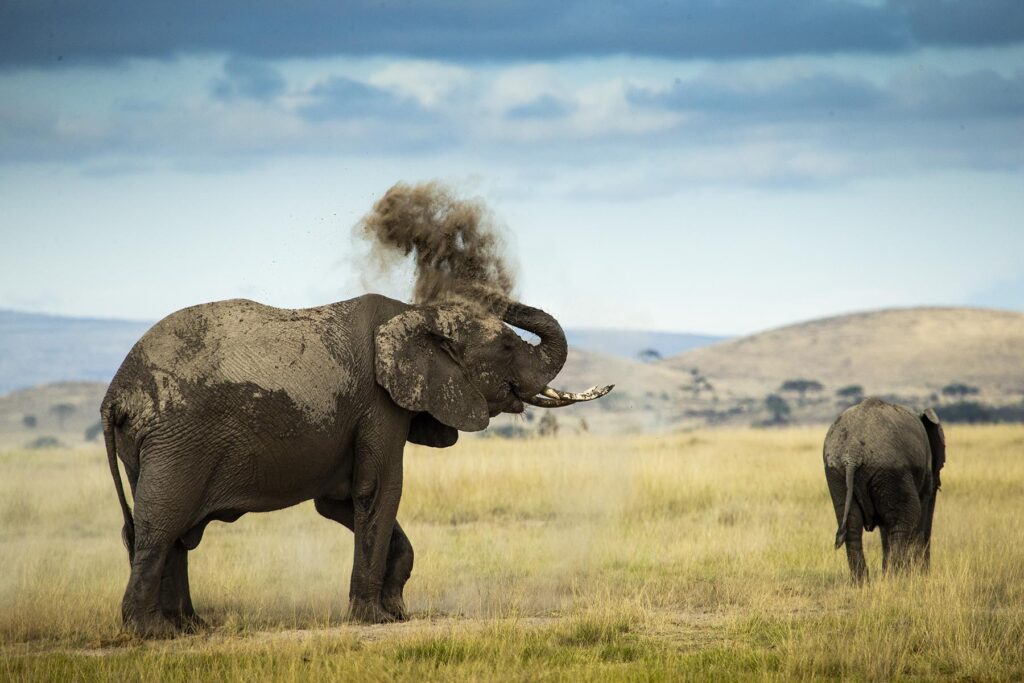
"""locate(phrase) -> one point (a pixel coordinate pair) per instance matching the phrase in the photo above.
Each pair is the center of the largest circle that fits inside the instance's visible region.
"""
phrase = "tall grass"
(706, 553)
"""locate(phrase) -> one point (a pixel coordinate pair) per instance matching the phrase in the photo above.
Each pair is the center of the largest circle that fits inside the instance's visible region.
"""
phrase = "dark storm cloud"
(544, 107)
(917, 95)
(965, 22)
(69, 31)
(808, 96)
(340, 98)
(982, 94)
(248, 79)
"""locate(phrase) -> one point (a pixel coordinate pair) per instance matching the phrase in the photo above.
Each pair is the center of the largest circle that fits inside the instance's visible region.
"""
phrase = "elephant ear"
(427, 431)
(937, 441)
(419, 361)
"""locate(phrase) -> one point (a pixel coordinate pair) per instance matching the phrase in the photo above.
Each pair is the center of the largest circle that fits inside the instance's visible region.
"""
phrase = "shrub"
(959, 390)
(43, 442)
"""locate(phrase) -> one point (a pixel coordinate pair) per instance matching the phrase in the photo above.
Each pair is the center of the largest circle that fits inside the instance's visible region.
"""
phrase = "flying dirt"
(455, 245)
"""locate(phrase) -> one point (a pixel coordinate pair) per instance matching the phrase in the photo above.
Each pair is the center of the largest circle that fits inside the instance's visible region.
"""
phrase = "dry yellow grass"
(707, 554)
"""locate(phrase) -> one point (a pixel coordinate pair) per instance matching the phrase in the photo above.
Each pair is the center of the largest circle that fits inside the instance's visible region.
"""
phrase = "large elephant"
(882, 465)
(234, 407)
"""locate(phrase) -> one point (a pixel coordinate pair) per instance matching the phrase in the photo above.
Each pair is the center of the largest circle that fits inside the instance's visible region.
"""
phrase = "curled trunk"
(548, 356)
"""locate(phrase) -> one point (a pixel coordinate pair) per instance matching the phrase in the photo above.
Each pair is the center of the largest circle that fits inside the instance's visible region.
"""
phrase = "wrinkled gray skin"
(882, 464)
(234, 407)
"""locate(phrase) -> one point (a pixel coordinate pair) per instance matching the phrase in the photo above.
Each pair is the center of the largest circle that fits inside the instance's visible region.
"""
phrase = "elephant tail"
(851, 468)
(128, 530)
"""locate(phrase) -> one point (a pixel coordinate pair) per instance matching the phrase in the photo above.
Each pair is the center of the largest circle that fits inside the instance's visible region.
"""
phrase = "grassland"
(704, 555)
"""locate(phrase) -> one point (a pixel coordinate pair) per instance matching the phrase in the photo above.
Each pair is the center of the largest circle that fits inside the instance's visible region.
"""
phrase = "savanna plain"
(704, 555)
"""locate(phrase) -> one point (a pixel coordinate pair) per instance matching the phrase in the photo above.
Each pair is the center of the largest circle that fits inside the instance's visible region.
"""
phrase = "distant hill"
(39, 349)
(68, 412)
(628, 343)
(909, 351)
(907, 355)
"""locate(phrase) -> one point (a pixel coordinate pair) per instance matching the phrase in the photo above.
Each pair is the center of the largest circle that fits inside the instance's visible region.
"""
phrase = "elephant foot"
(151, 626)
(191, 624)
(369, 612)
(186, 622)
(395, 606)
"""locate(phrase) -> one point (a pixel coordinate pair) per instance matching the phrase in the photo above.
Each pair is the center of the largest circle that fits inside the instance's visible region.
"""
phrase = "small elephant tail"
(841, 534)
(128, 530)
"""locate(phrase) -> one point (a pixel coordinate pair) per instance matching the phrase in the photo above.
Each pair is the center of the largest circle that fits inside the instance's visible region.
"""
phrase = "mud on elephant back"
(234, 407)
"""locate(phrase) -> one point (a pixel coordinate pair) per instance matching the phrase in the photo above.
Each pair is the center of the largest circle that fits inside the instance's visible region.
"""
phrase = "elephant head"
(462, 368)
(937, 446)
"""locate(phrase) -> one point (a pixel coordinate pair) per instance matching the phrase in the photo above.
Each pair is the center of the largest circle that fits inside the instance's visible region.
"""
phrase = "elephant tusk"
(588, 395)
(553, 398)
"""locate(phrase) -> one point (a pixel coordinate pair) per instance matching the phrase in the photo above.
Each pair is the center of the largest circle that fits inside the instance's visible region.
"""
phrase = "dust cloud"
(455, 245)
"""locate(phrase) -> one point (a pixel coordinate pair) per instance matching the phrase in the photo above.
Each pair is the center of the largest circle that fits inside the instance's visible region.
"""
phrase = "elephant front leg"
(399, 569)
(400, 554)
(377, 491)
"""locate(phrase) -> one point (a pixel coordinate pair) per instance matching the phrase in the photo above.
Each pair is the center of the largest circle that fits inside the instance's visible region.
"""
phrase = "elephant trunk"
(547, 360)
(550, 354)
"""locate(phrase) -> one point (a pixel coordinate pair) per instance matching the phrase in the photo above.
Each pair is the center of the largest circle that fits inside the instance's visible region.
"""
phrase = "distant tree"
(505, 431)
(976, 412)
(584, 427)
(969, 412)
(648, 355)
(63, 411)
(93, 431)
(959, 390)
(548, 425)
(778, 407)
(699, 384)
(44, 442)
(850, 395)
(30, 421)
(801, 386)
(851, 391)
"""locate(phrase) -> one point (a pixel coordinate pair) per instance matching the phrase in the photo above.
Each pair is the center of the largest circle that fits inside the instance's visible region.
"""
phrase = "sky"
(708, 166)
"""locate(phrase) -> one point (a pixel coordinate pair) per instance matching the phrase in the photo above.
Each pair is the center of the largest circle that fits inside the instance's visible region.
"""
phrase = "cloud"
(742, 124)
(248, 78)
(71, 32)
(802, 97)
(913, 95)
(543, 107)
(339, 98)
(978, 94)
(432, 84)
(965, 22)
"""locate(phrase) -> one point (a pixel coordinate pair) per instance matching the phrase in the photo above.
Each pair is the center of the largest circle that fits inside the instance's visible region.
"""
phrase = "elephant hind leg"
(175, 594)
(165, 502)
(901, 520)
(855, 545)
(140, 608)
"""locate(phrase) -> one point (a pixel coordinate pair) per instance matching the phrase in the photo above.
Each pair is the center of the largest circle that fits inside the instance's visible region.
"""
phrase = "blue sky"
(713, 166)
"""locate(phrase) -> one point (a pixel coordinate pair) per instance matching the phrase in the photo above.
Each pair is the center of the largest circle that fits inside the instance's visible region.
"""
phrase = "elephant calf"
(882, 465)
